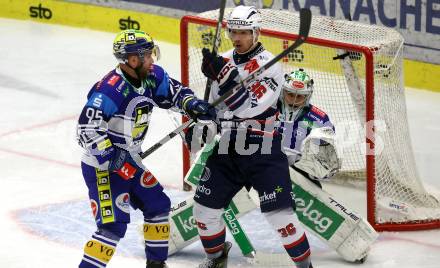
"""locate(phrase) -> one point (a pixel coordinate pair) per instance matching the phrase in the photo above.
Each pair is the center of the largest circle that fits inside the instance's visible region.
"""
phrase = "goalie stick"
(215, 44)
(304, 27)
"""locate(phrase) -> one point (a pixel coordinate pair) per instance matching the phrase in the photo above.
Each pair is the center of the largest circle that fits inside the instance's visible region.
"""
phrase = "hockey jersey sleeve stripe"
(235, 96)
(119, 135)
(90, 141)
(180, 93)
(238, 99)
(102, 102)
(242, 102)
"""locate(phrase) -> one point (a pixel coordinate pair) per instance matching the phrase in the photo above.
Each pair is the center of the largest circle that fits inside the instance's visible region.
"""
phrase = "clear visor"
(154, 53)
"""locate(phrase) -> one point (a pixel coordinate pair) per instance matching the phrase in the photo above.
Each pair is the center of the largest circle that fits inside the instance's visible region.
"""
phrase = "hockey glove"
(198, 135)
(199, 110)
(217, 68)
(123, 164)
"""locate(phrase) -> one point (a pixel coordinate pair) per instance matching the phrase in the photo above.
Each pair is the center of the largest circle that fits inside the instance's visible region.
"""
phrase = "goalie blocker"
(334, 223)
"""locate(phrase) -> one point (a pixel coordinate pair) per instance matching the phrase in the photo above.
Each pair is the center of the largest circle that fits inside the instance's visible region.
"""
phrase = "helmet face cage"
(134, 42)
(299, 83)
(244, 18)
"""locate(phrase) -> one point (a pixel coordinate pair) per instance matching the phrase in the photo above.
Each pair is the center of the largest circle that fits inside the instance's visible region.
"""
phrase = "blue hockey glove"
(217, 68)
(123, 164)
(199, 110)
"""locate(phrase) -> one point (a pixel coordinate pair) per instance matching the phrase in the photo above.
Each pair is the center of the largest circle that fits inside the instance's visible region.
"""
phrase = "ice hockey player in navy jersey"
(249, 152)
(111, 129)
(303, 126)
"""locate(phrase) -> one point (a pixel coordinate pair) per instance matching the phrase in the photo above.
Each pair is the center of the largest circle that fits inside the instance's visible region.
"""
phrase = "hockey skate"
(156, 264)
(219, 262)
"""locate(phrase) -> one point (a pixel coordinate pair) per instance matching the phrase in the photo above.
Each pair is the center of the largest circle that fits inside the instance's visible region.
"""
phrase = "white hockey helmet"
(244, 18)
(299, 83)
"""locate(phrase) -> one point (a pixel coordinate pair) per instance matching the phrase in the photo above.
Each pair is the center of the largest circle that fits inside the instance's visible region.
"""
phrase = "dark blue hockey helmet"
(134, 42)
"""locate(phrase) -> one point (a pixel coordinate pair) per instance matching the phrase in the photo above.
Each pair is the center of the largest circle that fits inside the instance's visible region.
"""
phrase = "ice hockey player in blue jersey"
(249, 152)
(308, 133)
(111, 129)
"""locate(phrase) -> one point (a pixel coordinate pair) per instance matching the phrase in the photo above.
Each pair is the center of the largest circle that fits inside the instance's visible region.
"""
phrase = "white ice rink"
(45, 74)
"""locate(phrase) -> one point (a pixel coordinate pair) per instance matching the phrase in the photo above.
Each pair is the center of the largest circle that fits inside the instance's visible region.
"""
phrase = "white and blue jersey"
(118, 113)
(257, 102)
(296, 127)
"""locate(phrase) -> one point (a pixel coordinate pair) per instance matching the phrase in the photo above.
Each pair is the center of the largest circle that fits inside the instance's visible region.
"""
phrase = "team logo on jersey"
(113, 80)
(251, 66)
(94, 207)
(148, 180)
(123, 202)
(142, 117)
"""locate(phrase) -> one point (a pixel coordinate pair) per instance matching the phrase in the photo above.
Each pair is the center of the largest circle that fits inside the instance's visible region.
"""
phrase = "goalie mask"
(297, 89)
(134, 42)
(244, 18)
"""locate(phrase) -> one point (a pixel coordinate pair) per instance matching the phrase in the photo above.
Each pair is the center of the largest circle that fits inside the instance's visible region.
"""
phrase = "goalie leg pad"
(292, 234)
(98, 251)
(211, 228)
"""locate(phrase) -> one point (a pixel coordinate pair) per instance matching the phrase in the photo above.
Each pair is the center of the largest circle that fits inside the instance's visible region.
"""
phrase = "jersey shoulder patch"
(110, 80)
(318, 111)
(112, 86)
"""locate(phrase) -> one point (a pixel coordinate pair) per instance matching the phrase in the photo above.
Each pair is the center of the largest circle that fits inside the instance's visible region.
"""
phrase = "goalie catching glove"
(319, 157)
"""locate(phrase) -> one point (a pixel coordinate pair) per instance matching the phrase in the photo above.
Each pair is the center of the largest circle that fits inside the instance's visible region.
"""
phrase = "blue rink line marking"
(71, 223)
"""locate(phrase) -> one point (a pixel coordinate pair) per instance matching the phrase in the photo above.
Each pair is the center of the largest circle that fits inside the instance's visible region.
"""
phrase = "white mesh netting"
(398, 192)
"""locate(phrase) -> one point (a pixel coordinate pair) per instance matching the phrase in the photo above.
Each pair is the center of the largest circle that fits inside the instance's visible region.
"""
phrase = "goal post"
(363, 93)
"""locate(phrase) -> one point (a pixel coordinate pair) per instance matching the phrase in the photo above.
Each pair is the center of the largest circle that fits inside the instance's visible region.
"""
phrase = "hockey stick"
(215, 44)
(304, 27)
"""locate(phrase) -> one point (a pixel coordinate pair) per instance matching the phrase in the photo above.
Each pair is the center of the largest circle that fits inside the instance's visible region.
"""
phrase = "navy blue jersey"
(118, 113)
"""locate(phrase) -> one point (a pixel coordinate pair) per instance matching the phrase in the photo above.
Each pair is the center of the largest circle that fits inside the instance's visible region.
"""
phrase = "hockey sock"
(99, 250)
(157, 235)
(294, 239)
(211, 228)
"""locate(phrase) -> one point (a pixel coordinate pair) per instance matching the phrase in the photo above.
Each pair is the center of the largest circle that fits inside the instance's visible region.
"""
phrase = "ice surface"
(45, 74)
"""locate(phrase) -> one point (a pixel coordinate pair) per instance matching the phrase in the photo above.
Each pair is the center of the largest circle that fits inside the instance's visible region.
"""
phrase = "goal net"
(362, 91)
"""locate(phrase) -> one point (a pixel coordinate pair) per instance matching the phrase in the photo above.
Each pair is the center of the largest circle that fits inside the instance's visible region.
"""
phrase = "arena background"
(417, 20)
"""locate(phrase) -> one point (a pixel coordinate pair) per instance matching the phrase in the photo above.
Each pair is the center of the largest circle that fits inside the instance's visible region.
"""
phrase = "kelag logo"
(40, 12)
(315, 214)
(128, 23)
(186, 224)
